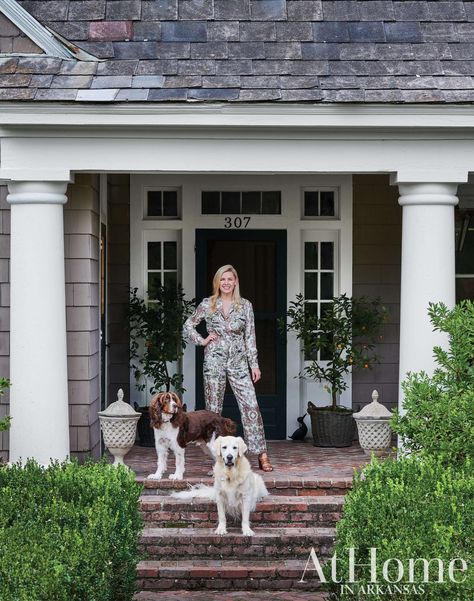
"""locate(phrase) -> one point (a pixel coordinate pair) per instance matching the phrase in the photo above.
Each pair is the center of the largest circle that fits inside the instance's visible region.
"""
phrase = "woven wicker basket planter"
(331, 428)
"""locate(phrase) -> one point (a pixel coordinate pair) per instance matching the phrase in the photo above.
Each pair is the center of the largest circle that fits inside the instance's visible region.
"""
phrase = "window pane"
(327, 255)
(154, 208)
(311, 255)
(311, 204)
(251, 203)
(170, 259)
(170, 203)
(311, 285)
(327, 286)
(311, 309)
(271, 203)
(231, 203)
(210, 203)
(326, 350)
(170, 278)
(154, 255)
(154, 282)
(325, 308)
(327, 204)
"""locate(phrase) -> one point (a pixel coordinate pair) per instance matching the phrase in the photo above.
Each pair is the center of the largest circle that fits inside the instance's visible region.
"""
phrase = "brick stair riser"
(230, 579)
(209, 520)
(268, 514)
(309, 489)
(228, 549)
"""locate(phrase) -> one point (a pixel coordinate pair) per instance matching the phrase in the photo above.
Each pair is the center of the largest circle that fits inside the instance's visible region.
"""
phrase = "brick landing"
(292, 461)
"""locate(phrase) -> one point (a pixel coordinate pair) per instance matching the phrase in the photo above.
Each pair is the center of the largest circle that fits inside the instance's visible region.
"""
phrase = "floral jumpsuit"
(230, 356)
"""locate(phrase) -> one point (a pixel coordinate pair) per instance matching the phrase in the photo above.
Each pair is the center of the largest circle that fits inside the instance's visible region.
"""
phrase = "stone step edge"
(234, 536)
(228, 569)
(270, 483)
(270, 503)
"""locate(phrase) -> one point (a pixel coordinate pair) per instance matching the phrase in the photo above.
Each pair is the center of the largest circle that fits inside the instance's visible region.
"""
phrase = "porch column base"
(428, 271)
(38, 352)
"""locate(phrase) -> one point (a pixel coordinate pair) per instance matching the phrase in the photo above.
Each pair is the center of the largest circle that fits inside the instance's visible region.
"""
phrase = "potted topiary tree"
(340, 339)
(156, 343)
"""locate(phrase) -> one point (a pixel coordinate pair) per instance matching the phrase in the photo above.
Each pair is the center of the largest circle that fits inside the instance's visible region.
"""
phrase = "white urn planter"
(372, 421)
(119, 426)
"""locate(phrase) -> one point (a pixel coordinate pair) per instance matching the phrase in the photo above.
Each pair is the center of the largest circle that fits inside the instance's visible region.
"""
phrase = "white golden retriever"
(236, 489)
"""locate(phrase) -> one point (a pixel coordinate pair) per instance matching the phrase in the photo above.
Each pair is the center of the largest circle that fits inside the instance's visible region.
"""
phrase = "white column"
(428, 270)
(38, 354)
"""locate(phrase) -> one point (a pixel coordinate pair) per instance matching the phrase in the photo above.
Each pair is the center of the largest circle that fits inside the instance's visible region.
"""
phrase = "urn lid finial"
(373, 410)
(119, 408)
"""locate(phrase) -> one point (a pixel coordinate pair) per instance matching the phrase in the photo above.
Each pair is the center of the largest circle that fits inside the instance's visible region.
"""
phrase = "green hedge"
(68, 533)
(438, 414)
(409, 508)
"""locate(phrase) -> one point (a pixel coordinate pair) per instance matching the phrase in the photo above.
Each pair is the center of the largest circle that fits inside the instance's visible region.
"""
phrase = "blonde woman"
(230, 349)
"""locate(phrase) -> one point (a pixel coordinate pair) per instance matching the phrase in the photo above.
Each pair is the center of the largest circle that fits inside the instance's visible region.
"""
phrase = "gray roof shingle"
(251, 51)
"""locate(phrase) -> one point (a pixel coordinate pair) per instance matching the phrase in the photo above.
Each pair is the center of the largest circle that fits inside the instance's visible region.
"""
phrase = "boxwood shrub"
(438, 414)
(409, 508)
(68, 533)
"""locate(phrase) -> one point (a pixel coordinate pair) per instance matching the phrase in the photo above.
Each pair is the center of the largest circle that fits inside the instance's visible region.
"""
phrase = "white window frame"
(162, 189)
(337, 212)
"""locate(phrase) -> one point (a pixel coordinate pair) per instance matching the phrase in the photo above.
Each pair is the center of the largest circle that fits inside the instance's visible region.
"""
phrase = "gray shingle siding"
(335, 51)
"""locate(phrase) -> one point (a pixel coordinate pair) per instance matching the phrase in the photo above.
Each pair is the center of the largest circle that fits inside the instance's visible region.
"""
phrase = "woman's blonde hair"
(215, 287)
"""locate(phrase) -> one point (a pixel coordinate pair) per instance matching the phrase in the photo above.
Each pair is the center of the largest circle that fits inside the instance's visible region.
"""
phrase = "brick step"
(163, 511)
(267, 543)
(209, 595)
(220, 575)
(276, 485)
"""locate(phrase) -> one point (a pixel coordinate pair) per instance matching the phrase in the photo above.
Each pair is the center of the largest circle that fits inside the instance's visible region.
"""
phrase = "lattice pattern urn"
(119, 426)
(375, 434)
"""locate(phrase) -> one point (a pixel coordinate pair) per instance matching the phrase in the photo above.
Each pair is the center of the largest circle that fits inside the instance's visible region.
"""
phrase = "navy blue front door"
(260, 259)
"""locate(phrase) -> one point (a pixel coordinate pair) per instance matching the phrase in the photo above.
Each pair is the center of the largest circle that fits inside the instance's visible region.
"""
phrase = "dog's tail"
(199, 491)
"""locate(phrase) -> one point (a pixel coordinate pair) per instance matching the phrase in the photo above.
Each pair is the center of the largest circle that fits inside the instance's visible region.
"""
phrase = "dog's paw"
(175, 476)
(154, 476)
(221, 530)
(246, 531)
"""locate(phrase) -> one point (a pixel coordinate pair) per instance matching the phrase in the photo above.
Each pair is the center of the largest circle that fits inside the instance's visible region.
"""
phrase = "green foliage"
(409, 508)
(156, 337)
(68, 533)
(5, 422)
(343, 337)
(439, 416)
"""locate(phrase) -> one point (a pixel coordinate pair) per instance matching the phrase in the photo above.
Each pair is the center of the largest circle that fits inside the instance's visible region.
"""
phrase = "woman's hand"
(256, 374)
(212, 336)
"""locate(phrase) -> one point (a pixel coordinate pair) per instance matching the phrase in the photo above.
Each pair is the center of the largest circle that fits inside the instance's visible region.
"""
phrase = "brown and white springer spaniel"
(174, 428)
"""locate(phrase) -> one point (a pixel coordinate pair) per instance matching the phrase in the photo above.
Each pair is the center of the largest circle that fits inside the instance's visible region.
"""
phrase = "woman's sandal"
(263, 463)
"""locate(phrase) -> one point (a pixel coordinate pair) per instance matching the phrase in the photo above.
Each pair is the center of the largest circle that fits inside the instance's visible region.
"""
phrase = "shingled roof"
(249, 51)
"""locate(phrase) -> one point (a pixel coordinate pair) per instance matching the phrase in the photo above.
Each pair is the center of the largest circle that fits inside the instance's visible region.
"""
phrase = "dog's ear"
(216, 447)
(155, 412)
(241, 446)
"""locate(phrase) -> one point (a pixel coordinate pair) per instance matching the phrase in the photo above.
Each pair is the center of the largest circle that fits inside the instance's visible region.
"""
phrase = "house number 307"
(236, 222)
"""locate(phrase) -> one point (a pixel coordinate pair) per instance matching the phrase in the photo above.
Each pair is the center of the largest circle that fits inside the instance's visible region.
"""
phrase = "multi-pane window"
(319, 204)
(162, 265)
(162, 204)
(319, 278)
(236, 202)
